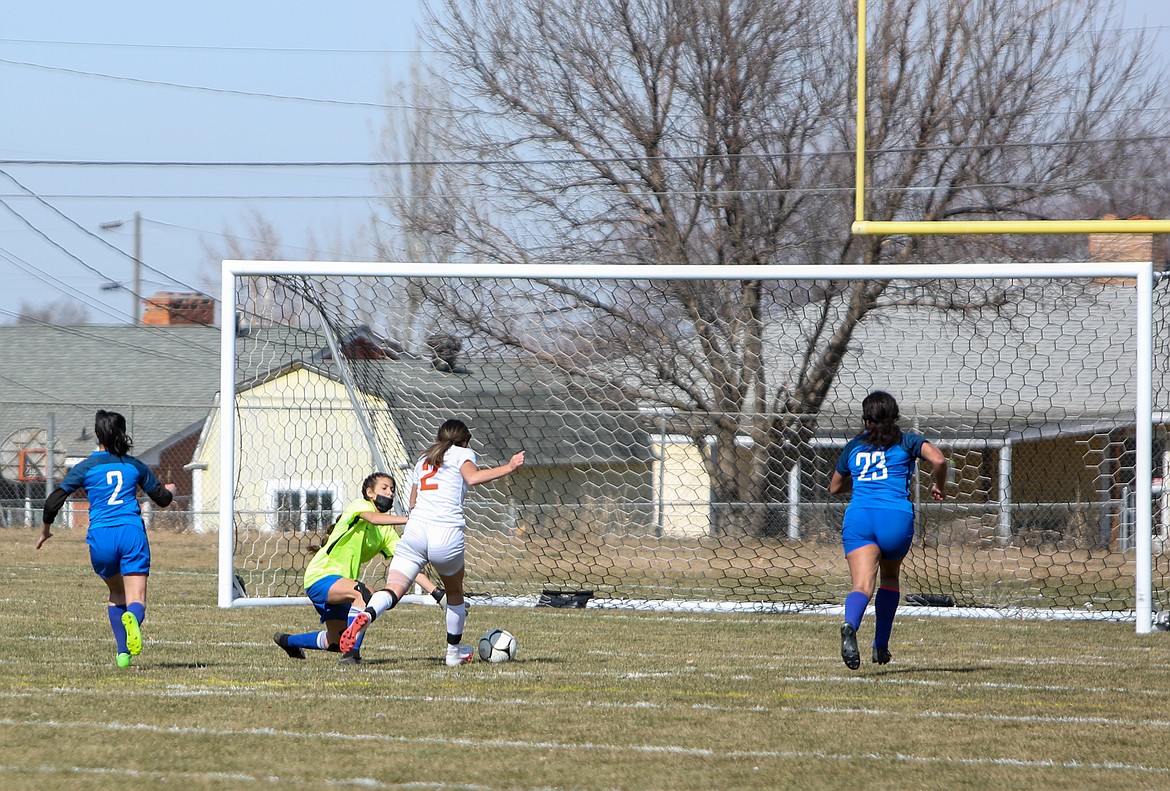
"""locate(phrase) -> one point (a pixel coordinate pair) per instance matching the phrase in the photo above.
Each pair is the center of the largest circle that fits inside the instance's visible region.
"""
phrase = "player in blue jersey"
(118, 549)
(878, 528)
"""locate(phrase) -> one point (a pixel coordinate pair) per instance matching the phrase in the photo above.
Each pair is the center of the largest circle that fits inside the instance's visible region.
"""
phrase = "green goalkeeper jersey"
(352, 543)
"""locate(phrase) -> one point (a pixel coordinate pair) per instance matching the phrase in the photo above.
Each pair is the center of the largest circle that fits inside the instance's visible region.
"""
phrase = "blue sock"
(885, 605)
(139, 610)
(855, 604)
(115, 613)
(310, 640)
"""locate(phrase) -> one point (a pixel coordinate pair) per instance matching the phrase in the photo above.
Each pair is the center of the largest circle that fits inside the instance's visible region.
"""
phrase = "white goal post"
(643, 493)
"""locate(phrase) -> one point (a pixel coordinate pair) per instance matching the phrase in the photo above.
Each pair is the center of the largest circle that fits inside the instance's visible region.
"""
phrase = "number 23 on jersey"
(872, 464)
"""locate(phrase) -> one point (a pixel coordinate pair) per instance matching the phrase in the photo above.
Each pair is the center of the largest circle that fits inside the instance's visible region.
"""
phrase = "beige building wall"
(294, 432)
(684, 489)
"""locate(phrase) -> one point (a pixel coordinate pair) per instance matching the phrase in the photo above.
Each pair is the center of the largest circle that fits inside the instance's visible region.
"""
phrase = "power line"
(619, 159)
(84, 230)
(215, 48)
(204, 88)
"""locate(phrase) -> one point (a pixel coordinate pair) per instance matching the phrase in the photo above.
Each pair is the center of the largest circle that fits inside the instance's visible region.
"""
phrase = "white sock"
(323, 639)
(382, 601)
(456, 618)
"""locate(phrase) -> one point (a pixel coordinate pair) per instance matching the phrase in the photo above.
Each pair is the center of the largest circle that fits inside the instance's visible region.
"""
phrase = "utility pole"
(137, 290)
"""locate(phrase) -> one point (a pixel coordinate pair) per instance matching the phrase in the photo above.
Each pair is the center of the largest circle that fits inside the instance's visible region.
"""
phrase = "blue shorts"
(892, 530)
(319, 595)
(118, 550)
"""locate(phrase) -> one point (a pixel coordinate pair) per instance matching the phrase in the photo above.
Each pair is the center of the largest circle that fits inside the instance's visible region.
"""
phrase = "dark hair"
(110, 430)
(372, 480)
(452, 432)
(879, 410)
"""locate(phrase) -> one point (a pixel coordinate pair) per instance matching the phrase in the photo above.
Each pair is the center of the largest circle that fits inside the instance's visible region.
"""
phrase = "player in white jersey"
(434, 533)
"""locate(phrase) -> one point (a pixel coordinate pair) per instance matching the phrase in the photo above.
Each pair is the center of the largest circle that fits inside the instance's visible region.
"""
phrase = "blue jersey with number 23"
(881, 476)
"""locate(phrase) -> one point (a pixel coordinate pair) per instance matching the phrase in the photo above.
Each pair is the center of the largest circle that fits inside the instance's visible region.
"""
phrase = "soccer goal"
(681, 425)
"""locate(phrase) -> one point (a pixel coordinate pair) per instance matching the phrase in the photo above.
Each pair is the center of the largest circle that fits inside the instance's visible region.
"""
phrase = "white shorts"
(422, 542)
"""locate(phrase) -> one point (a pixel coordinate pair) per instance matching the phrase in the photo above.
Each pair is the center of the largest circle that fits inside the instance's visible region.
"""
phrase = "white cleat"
(459, 655)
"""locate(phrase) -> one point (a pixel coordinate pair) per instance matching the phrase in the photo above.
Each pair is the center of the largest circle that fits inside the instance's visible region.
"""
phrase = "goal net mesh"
(680, 434)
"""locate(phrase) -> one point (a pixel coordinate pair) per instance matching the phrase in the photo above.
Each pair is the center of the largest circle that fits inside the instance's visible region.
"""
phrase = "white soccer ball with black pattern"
(497, 645)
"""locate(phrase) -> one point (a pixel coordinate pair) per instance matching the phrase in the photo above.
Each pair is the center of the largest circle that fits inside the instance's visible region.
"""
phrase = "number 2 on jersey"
(114, 478)
(425, 483)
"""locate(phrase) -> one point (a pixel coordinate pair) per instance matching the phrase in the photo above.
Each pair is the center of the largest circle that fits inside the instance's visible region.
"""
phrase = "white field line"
(1154, 653)
(666, 749)
(180, 691)
(242, 777)
(770, 670)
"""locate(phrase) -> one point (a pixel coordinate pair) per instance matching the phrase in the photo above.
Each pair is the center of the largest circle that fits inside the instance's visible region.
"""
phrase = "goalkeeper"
(364, 531)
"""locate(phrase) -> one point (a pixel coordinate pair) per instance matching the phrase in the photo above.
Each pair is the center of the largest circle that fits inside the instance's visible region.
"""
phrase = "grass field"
(596, 700)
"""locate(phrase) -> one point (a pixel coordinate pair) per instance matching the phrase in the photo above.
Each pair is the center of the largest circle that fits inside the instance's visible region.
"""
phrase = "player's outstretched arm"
(474, 475)
(938, 470)
(379, 518)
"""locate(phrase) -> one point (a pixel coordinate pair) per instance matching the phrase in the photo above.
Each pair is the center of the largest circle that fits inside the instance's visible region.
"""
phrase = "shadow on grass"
(905, 670)
(178, 665)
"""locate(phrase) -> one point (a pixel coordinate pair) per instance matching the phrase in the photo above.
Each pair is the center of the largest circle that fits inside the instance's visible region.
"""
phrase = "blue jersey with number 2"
(111, 484)
(881, 476)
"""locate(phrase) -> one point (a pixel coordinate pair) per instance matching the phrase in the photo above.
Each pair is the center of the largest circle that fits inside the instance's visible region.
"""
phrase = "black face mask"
(383, 503)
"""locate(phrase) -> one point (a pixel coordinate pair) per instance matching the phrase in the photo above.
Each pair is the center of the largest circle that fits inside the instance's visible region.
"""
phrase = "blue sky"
(184, 82)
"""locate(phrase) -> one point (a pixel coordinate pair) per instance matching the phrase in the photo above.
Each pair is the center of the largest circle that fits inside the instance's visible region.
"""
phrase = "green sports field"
(596, 700)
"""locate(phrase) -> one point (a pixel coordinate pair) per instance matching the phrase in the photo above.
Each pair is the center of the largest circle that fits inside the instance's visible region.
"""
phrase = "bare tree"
(721, 131)
(65, 313)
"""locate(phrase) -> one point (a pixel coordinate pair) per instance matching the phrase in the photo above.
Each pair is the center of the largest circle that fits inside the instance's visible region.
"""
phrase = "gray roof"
(508, 407)
(1072, 359)
(163, 379)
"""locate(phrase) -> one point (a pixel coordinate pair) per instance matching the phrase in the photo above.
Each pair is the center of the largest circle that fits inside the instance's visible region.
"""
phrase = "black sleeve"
(162, 496)
(53, 505)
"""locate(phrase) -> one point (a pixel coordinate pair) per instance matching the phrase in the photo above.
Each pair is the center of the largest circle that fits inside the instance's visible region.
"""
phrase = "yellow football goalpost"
(863, 227)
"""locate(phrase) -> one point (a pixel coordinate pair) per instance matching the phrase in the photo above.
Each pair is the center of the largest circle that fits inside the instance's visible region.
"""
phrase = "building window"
(303, 510)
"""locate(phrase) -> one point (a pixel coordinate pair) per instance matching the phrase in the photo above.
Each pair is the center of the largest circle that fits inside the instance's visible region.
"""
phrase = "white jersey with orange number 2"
(440, 491)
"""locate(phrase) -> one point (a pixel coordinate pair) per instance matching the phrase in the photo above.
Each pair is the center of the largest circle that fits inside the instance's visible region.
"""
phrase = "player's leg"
(397, 581)
(134, 585)
(447, 556)
(116, 608)
(862, 554)
(332, 597)
(134, 553)
(106, 563)
(895, 536)
(863, 564)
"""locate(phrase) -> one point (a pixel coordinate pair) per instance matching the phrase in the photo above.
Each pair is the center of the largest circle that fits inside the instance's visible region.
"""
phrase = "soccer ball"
(497, 645)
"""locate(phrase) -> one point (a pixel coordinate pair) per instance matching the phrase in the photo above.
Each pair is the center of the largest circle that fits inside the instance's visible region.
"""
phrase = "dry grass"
(597, 700)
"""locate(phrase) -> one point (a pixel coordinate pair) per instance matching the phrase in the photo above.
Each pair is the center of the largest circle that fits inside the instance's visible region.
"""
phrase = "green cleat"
(123, 660)
(133, 634)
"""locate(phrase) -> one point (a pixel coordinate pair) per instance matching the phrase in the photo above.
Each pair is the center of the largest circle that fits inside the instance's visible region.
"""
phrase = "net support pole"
(227, 433)
(351, 390)
(1144, 449)
(859, 162)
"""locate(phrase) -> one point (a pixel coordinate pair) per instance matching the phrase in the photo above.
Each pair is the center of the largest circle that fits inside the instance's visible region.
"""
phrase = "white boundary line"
(559, 746)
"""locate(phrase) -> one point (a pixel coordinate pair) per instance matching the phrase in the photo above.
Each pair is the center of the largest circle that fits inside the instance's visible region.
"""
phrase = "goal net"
(681, 426)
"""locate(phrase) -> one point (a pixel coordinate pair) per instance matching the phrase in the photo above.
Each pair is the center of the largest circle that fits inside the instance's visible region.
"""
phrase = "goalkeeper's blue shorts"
(319, 595)
(892, 530)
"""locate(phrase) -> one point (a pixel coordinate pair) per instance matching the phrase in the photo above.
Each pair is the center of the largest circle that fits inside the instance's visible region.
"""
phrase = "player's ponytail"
(879, 410)
(452, 432)
(110, 430)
